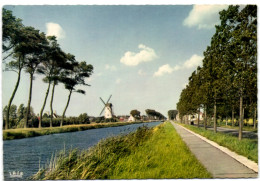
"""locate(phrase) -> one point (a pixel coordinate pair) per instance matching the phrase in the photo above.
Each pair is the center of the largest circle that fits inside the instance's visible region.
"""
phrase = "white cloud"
(163, 70)
(55, 29)
(194, 61)
(110, 67)
(146, 54)
(118, 81)
(204, 16)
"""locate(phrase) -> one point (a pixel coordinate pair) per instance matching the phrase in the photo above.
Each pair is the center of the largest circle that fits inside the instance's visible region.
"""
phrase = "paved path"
(218, 163)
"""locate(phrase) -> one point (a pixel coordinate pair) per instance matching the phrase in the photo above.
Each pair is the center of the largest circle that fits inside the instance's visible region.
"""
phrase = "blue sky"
(142, 55)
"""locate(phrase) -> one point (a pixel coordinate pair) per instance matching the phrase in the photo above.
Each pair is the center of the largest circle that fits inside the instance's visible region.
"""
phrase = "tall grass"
(245, 147)
(146, 153)
(32, 132)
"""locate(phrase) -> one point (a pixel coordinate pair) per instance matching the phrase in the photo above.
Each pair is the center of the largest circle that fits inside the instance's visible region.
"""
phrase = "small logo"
(15, 174)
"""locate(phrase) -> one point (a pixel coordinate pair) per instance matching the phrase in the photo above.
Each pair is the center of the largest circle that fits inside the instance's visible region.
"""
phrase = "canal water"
(26, 155)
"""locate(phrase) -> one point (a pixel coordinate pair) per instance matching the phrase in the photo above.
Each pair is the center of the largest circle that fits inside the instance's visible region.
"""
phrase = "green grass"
(147, 153)
(32, 132)
(245, 147)
(245, 128)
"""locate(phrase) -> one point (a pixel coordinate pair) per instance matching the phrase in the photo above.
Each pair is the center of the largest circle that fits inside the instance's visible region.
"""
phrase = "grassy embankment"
(32, 132)
(147, 153)
(245, 147)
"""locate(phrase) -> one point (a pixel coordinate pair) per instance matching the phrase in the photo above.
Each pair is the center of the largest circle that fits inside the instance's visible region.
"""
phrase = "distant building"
(191, 117)
(131, 119)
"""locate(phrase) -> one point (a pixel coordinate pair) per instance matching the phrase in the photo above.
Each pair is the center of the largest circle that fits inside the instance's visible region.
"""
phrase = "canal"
(27, 155)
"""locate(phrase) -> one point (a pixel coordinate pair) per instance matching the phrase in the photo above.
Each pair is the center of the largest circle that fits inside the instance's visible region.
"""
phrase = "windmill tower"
(108, 108)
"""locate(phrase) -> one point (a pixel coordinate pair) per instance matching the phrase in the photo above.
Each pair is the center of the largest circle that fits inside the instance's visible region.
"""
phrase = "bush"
(83, 119)
(103, 120)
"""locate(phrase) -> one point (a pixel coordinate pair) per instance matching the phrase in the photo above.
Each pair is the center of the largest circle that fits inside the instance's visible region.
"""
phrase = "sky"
(142, 55)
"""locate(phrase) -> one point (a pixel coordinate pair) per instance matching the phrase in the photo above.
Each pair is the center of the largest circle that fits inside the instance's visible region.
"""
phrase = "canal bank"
(27, 155)
(20, 133)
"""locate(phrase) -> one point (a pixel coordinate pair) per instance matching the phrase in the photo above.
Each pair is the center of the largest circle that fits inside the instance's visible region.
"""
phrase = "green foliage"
(135, 113)
(103, 120)
(11, 30)
(36, 53)
(152, 114)
(228, 76)
(146, 153)
(172, 114)
(20, 112)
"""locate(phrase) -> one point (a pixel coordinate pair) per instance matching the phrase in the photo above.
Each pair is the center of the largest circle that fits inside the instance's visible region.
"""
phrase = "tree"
(11, 28)
(83, 118)
(35, 54)
(13, 37)
(172, 114)
(152, 114)
(12, 114)
(135, 113)
(55, 61)
(72, 78)
(229, 72)
(20, 112)
(242, 46)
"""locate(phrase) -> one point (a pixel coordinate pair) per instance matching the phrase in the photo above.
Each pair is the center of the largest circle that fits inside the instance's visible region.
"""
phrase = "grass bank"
(147, 153)
(245, 147)
(32, 132)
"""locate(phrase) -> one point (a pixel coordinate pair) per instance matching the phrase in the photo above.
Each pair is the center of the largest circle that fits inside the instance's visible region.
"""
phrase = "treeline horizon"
(225, 86)
(28, 49)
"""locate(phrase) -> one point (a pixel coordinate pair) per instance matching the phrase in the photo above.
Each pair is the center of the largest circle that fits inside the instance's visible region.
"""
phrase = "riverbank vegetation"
(225, 86)
(147, 153)
(246, 147)
(32, 132)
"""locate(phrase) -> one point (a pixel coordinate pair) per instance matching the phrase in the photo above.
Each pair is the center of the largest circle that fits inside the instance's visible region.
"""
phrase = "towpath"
(218, 163)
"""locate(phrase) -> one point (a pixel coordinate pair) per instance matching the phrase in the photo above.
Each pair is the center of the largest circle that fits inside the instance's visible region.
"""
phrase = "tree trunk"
(226, 121)
(11, 99)
(29, 102)
(241, 118)
(254, 119)
(52, 95)
(199, 118)
(233, 112)
(205, 118)
(215, 116)
(44, 103)
(63, 115)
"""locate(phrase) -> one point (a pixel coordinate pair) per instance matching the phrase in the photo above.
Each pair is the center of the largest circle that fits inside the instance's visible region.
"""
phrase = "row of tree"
(172, 114)
(25, 48)
(152, 114)
(227, 80)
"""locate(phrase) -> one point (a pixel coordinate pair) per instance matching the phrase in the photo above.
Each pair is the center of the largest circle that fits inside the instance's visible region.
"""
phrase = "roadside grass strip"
(245, 147)
(32, 132)
(148, 153)
(164, 155)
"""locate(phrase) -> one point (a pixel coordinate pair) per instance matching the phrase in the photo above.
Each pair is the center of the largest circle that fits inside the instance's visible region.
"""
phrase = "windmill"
(108, 108)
